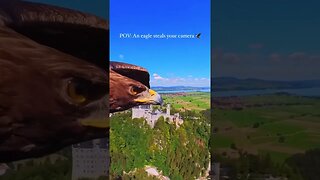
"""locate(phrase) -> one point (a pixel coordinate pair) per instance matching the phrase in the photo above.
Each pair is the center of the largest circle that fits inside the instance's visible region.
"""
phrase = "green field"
(179, 152)
(191, 101)
(281, 125)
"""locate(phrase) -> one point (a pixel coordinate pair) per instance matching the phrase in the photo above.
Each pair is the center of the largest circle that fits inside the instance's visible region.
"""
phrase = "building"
(152, 116)
(90, 159)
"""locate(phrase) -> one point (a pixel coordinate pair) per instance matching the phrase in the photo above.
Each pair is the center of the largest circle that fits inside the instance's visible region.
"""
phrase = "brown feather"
(120, 98)
(41, 48)
(20, 12)
(36, 117)
(134, 72)
(78, 34)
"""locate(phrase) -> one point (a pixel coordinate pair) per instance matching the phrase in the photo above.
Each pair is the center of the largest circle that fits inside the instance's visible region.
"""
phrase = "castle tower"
(141, 111)
(168, 109)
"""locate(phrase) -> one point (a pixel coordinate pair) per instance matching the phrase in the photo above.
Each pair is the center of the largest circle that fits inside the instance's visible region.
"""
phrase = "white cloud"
(157, 77)
(121, 56)
(158, 80)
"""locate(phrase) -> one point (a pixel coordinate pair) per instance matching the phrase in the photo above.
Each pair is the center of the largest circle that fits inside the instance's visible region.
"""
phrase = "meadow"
(279, 125)
(197, 101)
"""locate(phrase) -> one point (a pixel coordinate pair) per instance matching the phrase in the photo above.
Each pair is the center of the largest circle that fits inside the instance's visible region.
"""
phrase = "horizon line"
(280, 80)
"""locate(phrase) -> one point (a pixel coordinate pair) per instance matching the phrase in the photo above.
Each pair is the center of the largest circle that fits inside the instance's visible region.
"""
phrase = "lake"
(301, 92)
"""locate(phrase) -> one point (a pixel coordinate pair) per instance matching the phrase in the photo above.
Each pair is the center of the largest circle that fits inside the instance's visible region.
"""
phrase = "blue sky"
(266, 39)
(170, 62)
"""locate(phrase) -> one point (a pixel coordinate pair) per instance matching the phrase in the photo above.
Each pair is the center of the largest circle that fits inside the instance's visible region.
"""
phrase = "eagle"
(130, 87)
(54, 79)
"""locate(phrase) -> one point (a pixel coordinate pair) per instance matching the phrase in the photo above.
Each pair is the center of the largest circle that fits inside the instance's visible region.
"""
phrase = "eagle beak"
(150, 97)
(156, 98)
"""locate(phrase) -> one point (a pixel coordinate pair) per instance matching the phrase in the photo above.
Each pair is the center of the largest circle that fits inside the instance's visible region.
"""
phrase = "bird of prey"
(130, 86)
(198, 35)
(54, 79)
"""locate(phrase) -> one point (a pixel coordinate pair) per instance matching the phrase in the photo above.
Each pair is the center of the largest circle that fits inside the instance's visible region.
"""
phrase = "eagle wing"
(36, 40)
(40, 45)
(79, 34)
(134, 72)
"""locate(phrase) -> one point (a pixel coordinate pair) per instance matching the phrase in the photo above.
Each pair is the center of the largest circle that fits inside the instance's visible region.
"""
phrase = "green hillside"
(180, 153)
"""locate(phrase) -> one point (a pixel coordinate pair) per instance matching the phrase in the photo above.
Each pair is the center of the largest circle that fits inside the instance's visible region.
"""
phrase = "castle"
(90, 159)
(151, 116)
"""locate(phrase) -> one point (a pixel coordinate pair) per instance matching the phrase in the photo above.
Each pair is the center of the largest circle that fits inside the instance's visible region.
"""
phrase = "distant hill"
(179, 88)
(230, 83)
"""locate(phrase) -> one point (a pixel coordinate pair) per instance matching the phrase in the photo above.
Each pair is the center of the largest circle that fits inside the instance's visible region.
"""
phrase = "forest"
(179, 153)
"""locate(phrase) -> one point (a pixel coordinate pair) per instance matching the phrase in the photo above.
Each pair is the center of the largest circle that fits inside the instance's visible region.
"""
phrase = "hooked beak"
(150, 97)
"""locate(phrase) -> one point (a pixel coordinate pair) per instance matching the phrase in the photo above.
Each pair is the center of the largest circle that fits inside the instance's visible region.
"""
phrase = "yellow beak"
(151, 97)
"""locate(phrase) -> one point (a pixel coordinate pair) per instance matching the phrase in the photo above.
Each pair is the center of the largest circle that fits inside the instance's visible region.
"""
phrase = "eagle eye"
(136, 89)
(82, 91)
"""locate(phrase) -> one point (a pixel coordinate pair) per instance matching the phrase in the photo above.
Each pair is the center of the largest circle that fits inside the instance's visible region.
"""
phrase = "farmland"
(280, 125)
(191, 101)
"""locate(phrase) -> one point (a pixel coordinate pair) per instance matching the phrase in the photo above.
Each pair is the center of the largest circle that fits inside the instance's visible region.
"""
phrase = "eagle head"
(54, 80)
(126, 93)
